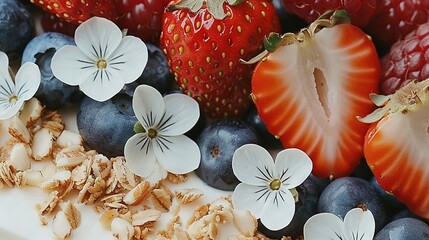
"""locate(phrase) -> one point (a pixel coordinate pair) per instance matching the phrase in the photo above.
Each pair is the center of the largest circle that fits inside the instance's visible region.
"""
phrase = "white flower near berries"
(160, 146)
(357, 224)
(15, 90)
(267, 187)
(102, 61)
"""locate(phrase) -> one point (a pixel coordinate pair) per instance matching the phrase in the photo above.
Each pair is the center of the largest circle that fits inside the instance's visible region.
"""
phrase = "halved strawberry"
(311, 88)
(397, 145)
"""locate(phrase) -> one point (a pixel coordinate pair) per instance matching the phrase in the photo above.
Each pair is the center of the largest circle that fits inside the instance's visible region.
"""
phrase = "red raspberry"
(361, 11)
(407, 60)
(51, 23)
(142, 18)
(395, 19)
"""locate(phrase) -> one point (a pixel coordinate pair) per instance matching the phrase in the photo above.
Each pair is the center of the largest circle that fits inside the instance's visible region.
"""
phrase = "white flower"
(102, 60)
(268, 187)
(162, 146)
(358, 225)
(13, 93)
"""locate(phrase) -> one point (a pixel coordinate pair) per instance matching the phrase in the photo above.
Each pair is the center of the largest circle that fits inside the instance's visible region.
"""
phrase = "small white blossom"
(267, 187)
(102, 60)
(358, 225)
(162, 146)
(14, 92)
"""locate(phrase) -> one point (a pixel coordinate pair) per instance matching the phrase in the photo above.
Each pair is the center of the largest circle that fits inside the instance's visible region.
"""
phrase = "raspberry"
(395, 19)
(51, 23)
(361, 11)
(407, 60)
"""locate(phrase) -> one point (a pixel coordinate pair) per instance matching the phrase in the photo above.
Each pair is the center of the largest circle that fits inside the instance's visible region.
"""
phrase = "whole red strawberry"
(361, 11)
(204, 44)
(407, 60)
(78, 11)
(142, 18)
(396, 18)
(51, 23)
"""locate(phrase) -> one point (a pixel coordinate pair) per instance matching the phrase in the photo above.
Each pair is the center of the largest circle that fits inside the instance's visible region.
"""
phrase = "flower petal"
(148, 105)
(129, 59)
(27, 81)
(293, 166)
(324, 226)
(102, 85)
(279, 211)
(177, 154)
(158, 174)
(7, 86)
(181, 114)
(253, 165)
(71, 66)
(139, 155)
(248, 197)
(98, 37)
(8, 110)
(359, 224)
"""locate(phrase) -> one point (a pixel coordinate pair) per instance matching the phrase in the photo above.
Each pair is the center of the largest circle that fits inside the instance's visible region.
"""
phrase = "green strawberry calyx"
(275, 40)
(407, 98)
(215, 7)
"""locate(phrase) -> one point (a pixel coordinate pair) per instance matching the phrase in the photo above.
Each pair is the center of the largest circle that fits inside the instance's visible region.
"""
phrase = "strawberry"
(142, 18)
(396, 146)
(361, 11)
(204, 43)
(311, 86)
(407, 60)
(77, 11)
(395, 19)
(51, 23)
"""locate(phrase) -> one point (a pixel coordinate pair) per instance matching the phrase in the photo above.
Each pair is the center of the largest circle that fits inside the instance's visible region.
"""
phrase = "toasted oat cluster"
(129, 206)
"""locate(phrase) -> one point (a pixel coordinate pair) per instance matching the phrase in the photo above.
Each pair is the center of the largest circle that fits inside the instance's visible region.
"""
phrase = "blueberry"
(362, 171)
(157, 73)
(16, 27)
(305, 208)
(392, 204)
(404, 229)
(267, 139)
(52, 92)
(106, 126)
(405, 213)
(218, 142)
(345, 193)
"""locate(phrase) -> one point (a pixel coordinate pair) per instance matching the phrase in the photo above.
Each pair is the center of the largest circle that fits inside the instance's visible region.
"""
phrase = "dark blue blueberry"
(404, 229)
(362, 171)
(305, 208)
(267, 139)
(106, 126)
(16, 27)
(345, 193)
(157, 73)
(52, 92)
(320, 183)
(392, 204)
(218, 142)
(405, 213)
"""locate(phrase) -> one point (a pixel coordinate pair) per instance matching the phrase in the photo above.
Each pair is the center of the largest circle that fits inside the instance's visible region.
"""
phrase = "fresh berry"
(142, 18)
(308, 195)
(106, 126)
(16, 27)
(310, 88)
(218, 142)
(51, 23)
(407, 60)
(78, 11)
(53, 93)
(156, 73)
(361, 11)
(396, 145)
(390, 202)
(404, 229)
(204, 49)
(345, 193)
(267, 139)
(395, 19)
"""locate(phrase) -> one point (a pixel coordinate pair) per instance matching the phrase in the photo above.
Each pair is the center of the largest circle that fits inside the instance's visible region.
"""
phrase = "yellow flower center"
(152, 133)
(13, 99)
(275, 184)
(102, 64)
